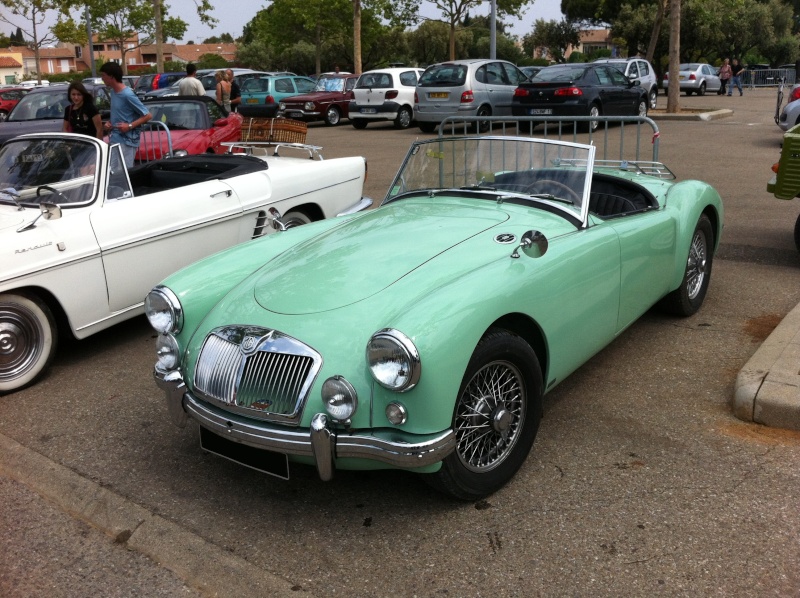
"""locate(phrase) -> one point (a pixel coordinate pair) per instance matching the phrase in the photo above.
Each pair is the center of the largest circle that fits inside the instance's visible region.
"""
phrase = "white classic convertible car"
(83, 239)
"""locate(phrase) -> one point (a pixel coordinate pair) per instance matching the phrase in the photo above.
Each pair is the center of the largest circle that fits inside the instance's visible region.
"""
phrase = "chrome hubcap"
(20, 342)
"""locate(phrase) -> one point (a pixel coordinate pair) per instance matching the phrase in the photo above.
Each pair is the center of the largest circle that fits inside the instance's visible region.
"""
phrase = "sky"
(233, 15)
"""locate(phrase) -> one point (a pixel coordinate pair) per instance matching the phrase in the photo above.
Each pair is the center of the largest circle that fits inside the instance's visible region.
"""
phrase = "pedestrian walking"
(127, 113)
(736, 77)
(82, 116)
(190, 85)
(724, 76)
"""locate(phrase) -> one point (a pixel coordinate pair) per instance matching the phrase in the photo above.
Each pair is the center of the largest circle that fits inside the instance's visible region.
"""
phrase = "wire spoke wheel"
(696, 264)
(489, 416)
(496, 416)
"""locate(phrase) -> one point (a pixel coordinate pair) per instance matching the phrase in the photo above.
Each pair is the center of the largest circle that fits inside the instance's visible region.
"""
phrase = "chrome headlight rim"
(309, 106)
(172, 303)
(281, 106)
(407, 346)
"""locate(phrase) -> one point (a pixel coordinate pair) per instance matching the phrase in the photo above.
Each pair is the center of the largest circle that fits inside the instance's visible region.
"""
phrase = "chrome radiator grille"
(256, 371)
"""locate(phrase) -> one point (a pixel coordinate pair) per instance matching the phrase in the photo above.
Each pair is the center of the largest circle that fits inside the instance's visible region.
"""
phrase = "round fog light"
(167, 351)
(340, 398)
(396, 414)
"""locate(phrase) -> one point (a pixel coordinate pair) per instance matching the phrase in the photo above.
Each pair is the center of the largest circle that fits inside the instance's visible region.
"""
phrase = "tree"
(34, 12)
(455, 11)
(119, 21)
(551, 38)
(225, 38)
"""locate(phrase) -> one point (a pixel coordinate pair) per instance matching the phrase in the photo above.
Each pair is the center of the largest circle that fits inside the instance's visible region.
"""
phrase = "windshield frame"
(81, 153)
(473, 166)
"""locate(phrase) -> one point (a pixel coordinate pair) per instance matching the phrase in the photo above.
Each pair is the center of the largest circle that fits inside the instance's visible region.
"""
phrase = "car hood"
(9, 129)
(360, 258)
(11, 217)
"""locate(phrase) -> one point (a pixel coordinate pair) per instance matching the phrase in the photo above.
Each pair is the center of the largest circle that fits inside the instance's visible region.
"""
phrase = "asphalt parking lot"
(641, 480)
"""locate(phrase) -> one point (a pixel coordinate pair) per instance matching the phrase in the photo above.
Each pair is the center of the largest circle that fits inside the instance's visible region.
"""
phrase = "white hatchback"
(385, 94)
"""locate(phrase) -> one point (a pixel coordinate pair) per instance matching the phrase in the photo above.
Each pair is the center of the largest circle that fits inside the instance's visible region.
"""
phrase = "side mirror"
(533, 244)
(50, 211)
(274, 218)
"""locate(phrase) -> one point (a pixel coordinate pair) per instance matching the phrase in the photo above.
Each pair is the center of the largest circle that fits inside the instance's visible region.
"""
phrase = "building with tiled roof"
(10, 68)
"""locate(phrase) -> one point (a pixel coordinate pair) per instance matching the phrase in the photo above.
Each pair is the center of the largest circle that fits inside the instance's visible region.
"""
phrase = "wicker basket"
(276, 130)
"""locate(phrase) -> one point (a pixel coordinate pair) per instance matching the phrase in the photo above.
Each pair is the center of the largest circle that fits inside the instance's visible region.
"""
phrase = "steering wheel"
(60, 195)
(560, 186)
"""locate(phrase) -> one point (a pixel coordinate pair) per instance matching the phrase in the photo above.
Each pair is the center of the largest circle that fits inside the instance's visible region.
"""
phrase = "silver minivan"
(478, 87)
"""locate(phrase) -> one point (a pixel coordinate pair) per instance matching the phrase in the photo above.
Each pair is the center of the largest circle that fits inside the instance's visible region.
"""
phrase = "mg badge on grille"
(251, 343)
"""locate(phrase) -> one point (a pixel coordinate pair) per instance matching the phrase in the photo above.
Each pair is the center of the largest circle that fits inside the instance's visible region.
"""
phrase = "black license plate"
(271, 463)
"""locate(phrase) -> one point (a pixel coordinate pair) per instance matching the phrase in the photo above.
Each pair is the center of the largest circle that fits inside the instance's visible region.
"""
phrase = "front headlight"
(393, 360)
(167, 352)
(281, 106)
(309, 106)
(163, 309)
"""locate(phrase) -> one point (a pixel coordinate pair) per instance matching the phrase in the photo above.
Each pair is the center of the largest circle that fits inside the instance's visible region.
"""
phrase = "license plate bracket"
(268, 462)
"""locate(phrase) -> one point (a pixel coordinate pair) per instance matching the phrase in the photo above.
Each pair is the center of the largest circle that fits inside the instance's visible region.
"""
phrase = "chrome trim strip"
(362, 204)
(320, 442)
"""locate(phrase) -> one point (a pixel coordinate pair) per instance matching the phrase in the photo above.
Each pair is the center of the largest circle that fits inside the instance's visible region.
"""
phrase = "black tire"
(427, 127)
(641, 109)
(296, 218)
(688, 93)
(359, 123)
(332, 116)
(687, 298)
(482, 125)
(797, 233)
(3, 115)
(404, 118)
(653, 96)
(494, 431)
(28, 339)
(702, 90)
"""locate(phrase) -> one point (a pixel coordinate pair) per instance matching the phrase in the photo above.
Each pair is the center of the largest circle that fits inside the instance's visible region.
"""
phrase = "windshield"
(329, 84)
(61, 171)
(556, 172)
(41, 106)
(178, 116)
(560, 73)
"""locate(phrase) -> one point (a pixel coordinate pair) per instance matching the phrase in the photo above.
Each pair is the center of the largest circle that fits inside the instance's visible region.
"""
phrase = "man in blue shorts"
(127, 112)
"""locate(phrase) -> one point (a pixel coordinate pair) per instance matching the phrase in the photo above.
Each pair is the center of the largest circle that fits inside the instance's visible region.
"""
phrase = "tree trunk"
(36, 44)
(357, 37)
(656, 33)
(318, 49)
(157, 16)
(452, 38)
(673, 95)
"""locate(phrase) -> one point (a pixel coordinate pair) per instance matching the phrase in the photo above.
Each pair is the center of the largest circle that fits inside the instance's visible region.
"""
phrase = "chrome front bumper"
(320, 442)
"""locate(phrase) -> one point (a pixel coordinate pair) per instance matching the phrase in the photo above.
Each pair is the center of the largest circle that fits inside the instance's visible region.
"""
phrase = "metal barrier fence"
(768, 77)
(618, 138)
(155, 142)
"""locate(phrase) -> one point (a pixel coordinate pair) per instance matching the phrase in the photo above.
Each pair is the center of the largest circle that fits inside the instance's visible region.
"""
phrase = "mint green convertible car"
(423, 334)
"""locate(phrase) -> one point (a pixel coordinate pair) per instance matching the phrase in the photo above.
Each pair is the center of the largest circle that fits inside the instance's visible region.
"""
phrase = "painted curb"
(767, 389)
(704, 116)
(199, 563)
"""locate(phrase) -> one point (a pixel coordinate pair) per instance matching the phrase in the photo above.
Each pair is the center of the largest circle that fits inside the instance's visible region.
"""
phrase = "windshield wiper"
(478, 187)
(11, 193)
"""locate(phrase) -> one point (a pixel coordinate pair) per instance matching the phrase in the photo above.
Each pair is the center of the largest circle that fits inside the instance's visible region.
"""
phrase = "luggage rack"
(639, 131)
(654, 169)
(262, 148)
